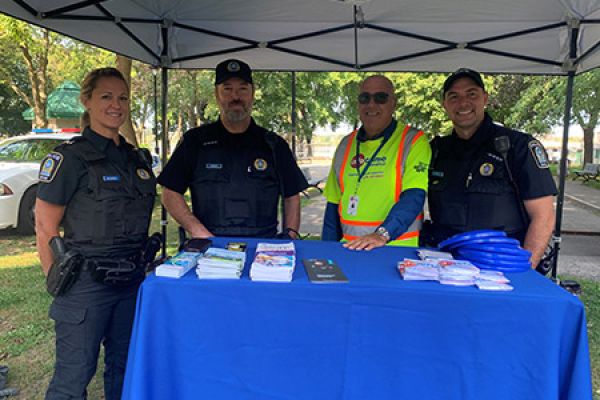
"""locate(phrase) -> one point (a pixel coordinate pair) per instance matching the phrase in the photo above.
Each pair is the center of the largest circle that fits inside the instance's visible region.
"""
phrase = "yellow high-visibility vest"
(380, 187)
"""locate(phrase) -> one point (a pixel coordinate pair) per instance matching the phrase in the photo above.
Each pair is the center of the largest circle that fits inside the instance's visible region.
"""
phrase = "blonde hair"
(89, 84)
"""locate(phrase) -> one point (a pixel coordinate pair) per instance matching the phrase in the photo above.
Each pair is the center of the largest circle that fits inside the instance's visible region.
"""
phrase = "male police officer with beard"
(235, 169)
(485, 176)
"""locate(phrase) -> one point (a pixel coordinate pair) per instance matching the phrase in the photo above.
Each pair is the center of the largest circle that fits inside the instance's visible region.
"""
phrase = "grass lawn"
(27, 335)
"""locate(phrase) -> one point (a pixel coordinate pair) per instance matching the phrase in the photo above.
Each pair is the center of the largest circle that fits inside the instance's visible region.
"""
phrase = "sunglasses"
(378, 98)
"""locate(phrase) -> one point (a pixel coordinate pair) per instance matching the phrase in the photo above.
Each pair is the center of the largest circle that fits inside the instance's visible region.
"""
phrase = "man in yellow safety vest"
(378, 180)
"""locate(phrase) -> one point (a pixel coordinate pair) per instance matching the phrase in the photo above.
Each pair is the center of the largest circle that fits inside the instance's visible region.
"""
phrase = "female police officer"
(103, 190)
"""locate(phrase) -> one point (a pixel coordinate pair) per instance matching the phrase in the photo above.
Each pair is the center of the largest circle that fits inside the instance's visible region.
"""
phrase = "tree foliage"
(35, 61)
(538, 104)
(11, 106)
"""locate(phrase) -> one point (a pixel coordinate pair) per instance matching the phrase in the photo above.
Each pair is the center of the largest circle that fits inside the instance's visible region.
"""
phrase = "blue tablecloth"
(376, 337)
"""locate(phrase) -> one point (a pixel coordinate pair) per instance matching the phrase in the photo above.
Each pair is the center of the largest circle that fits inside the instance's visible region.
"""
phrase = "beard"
(238, 115)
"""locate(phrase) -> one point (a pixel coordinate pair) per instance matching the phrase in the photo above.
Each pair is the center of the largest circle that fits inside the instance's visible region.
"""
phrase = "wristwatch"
(381, 231)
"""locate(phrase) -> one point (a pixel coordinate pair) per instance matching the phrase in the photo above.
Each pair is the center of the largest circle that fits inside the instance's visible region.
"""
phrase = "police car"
(19, 165)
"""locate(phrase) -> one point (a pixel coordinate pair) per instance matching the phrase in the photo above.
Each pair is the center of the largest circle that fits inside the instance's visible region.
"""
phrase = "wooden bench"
(312, 182)
(588, 173)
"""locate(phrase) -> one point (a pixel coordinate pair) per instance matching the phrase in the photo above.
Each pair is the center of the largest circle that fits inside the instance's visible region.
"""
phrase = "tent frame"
(164, 62)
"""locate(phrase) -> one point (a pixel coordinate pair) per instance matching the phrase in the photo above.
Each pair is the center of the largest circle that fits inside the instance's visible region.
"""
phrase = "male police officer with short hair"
(485, 176)
(235, 169)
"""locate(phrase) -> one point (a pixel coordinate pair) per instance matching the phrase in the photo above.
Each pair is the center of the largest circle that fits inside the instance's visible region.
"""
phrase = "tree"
(541, 104)
(321, 99)
(191, 100)
(33, 46)
(11, 106)
(124, 66)
(35, 61)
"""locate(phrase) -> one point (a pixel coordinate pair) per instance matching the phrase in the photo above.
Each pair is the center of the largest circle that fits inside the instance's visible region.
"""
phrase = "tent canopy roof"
(510, 36)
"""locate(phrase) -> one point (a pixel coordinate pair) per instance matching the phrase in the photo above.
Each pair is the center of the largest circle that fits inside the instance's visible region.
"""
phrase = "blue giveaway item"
(496, 241)
(471, 235)
(515, 268)
(499, 257)
(501, 249)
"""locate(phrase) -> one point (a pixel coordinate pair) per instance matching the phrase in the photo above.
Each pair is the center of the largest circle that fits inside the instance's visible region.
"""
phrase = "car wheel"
(26, 224)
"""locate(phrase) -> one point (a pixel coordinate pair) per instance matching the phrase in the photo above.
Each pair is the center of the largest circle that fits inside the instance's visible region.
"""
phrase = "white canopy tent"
(512, 36)
(555, 37)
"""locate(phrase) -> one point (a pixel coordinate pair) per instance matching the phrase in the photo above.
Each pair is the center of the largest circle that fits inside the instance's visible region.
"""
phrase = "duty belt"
(115, 272)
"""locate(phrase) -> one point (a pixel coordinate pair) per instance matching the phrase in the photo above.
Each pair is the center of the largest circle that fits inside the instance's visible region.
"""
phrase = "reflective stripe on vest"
(353, 228)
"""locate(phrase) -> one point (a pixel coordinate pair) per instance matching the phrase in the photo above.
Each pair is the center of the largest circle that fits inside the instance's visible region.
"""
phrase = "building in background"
(63, 108)
(553, 144)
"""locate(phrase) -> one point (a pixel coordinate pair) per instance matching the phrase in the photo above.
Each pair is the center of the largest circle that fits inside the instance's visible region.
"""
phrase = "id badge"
(353, 205)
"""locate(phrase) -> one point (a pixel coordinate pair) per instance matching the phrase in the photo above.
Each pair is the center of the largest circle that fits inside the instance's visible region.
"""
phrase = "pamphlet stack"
(179, 265)
(221, 264)
(273, 262)
(452, 272)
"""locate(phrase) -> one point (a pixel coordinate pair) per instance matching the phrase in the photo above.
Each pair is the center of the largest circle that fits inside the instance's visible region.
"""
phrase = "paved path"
(579, 255)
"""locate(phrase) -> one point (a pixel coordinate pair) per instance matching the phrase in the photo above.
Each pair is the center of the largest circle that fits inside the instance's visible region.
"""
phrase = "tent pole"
(563, 171)
(165, 143)
(294, 114)
(571, 68)
(156, 135)
(164, 77)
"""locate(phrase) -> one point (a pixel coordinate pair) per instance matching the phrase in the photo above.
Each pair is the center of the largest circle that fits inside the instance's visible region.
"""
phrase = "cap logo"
(233, 66)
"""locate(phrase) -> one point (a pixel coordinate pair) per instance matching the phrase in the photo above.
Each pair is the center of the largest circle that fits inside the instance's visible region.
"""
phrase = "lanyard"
(368, 164)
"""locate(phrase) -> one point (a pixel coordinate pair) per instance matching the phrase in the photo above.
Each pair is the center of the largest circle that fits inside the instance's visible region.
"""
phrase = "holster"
(126, 271)
(64, 270)
(149, 252)
(116, 272)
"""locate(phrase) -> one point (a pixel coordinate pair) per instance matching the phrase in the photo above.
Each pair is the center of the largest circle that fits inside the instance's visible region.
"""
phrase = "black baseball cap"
(233, 69)
(463, 73)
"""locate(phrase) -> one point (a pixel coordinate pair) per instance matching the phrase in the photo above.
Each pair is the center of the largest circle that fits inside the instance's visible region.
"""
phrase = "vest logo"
(421, 167)
(486, 169)
(49, 167)
(260, 164)
(213, 166)
(539, 154)
(210, 143)
(361, 161)
(111, 178)
(142, 173)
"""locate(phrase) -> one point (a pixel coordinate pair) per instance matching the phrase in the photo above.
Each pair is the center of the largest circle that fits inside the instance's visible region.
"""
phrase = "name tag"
(111, 178)
(214, 166)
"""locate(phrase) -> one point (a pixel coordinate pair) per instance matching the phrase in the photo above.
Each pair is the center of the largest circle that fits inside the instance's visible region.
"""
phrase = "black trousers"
(88, 315)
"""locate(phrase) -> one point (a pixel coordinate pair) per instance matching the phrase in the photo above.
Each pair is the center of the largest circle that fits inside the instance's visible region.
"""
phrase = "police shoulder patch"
(50, 166)
(539, 154)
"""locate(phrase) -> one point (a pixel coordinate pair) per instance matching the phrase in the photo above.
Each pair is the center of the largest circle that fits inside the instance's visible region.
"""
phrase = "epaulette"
(84, 149)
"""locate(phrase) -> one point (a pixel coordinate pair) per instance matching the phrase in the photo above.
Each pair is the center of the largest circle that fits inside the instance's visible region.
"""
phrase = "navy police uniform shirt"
(178, 173)
(470, 188)
(62, 173)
